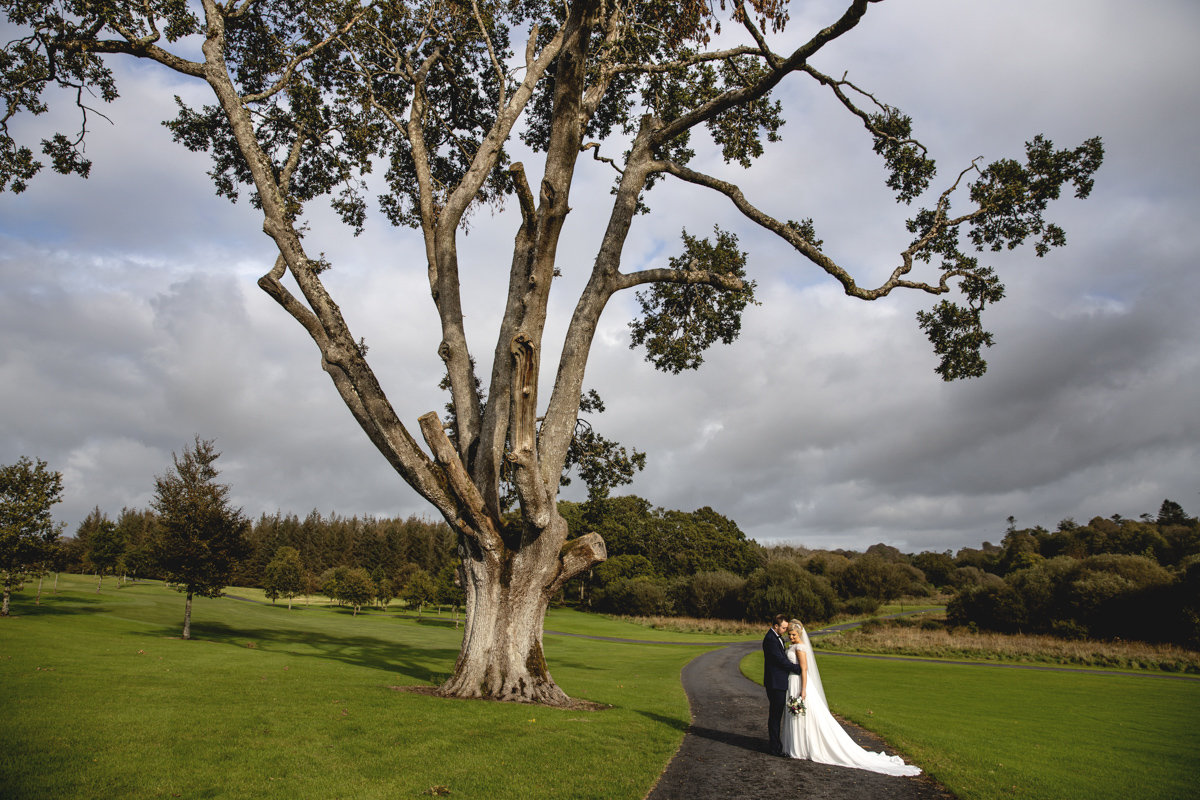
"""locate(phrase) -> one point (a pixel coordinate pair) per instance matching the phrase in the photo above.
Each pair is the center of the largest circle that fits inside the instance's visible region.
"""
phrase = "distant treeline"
(1115, 577)
(1112, 578)
(393, 545)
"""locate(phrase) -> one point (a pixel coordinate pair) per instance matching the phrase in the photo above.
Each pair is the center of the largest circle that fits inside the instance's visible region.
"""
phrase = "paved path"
(723, 754)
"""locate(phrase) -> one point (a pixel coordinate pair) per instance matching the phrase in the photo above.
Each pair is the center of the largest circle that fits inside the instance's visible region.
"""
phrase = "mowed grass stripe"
(307, 711)
(1002, 733)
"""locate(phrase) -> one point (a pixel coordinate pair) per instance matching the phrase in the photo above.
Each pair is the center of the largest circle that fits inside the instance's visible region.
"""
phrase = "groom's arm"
(778, 656)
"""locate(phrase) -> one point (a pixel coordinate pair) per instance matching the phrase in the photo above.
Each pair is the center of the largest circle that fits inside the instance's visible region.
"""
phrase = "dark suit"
(776, 669)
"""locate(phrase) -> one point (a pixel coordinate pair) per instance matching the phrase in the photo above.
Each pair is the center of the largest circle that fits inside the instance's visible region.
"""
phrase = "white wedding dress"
(817, 736)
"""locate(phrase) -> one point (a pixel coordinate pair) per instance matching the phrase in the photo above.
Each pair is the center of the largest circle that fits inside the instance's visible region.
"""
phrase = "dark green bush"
(784, 587)
(712, 595)
(638, 597)
(1101, 596)
(861, 606)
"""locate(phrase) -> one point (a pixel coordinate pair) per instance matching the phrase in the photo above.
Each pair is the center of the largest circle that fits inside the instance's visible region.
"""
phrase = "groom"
(776, 668)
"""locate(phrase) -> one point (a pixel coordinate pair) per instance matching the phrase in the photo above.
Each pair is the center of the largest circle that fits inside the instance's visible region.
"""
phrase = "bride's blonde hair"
(796, 623)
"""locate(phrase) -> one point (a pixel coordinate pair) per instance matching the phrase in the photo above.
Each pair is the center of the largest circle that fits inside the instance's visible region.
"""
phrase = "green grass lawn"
(101, 699)
(999, 733)
(564, 620)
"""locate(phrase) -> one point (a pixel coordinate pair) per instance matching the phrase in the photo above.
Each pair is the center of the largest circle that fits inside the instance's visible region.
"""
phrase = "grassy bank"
(101, 699)
(989, 734)
(930, 639)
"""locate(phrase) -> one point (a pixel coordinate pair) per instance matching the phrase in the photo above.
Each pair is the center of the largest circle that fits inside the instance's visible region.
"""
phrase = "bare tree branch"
(806, 248)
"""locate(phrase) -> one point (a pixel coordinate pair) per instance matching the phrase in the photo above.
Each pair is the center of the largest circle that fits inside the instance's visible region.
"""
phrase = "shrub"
(1102, 596)
(712, 595)
(861, 606)
(638, 597)
(784, 587)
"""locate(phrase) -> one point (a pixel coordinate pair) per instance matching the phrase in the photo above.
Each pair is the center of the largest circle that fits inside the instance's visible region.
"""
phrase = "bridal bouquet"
(796, 705)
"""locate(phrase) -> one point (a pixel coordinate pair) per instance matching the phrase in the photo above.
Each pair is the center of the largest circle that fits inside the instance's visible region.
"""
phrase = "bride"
(815, 734)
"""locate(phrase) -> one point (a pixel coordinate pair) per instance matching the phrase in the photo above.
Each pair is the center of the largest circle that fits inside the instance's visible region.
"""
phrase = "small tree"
(449, 588)
(329, 585)
(384, 592)
(27, 534)
(312, 585)
(106, 549)
(200, 536)
(284, 576)
(357, 588)
(420, 590)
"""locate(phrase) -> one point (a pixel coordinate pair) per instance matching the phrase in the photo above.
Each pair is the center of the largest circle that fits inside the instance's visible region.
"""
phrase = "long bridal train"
(816, 735)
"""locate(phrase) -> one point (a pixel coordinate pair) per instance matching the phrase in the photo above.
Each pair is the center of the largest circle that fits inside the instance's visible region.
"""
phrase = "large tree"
(27, 532)
(200, 537)
(309, 95)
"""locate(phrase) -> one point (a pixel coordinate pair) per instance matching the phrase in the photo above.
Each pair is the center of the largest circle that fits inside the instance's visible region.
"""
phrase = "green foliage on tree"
(106, 549)
(1100, 596)
(713, 595)
(784, 587)
(419, 591)
(284, 576)
(200, 536)
(1171, 513)
(873, 577)
(384, 592)
(27, 532)
(680, 321)
(329, 585)
(449, 587)
(138, 526)
(675, 543)
(936, 567)
(355, 588)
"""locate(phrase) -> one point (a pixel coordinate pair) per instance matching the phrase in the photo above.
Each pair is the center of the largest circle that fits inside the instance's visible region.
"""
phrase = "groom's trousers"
(777, 698)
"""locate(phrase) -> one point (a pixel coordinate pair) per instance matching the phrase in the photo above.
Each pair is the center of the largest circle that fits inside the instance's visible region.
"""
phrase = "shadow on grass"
(61, 605)
(670, 722)
(425, 664)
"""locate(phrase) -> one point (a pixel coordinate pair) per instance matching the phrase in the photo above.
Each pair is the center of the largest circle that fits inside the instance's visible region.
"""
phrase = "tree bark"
(187, 617)
(99, 580)
(507, 598)
(38, 601)
(7, 593)
(56, 583)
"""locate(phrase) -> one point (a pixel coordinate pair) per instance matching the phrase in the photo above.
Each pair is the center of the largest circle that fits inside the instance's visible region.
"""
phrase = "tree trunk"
(506, 604)
(187, 617)
(502, 657)
(7, 592)
(56, 583)
(99, 580)
(38, 601)
(289, 602)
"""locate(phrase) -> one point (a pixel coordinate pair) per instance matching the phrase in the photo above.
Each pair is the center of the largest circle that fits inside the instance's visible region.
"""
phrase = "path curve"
(724, 752)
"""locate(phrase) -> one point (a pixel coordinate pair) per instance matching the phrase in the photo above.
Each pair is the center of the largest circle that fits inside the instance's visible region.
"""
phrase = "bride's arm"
(803, 673)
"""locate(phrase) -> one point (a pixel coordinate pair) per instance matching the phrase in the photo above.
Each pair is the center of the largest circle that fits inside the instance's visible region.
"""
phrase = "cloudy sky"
(130, 320)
